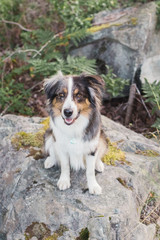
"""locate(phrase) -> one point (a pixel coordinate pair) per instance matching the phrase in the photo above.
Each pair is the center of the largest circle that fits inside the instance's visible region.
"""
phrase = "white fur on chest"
(69, 141)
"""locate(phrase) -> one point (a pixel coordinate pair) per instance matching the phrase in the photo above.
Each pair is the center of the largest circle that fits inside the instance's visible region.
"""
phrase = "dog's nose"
(68, 112)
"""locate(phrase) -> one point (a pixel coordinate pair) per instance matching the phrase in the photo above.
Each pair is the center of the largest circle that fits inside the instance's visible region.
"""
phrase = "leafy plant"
(14, 98)
(70, 65)
(158, 15)
(152, 95)
(52, 28)
(114, 85)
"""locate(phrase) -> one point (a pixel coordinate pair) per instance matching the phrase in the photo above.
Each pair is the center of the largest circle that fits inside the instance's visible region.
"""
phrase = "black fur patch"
(48, 133)
(93, 152)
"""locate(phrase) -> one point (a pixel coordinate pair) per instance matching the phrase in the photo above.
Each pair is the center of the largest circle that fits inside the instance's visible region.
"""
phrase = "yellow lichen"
(148, 153)
(26, 140)
(102, 26)
(114, 154)
(53, 237)
(134, 21)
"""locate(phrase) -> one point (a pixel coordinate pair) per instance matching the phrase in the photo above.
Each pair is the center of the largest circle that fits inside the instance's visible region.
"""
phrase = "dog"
(75, 138)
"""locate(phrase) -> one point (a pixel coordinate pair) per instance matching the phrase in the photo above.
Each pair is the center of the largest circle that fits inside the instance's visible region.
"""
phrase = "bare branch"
(6, 108)
(130, 103)
(49, 41)
(21, 51)
(143, 102)
(18, 24)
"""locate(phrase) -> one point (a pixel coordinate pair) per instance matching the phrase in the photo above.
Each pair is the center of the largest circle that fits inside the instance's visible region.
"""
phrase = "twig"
(2, 75)
(35, 85)
(143, 102)
(130, 103)
(18, 24)
(46, 44)
(21, 51)
(6, 108)
(125, 237)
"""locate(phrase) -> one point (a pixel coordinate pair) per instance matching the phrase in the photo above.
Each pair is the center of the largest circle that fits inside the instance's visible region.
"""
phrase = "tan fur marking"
(76, 91)
(84, 107)
(87, 102)
(65, 90)
(57, 107)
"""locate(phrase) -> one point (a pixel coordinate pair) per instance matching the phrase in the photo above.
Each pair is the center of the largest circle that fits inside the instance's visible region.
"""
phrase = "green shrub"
(14, 98)
(152, 95)
(158, 15)
(114, 85)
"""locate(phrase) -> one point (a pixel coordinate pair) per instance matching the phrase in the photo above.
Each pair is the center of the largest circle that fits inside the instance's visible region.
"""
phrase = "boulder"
(150, 69)
(32, 207)
(122, 39)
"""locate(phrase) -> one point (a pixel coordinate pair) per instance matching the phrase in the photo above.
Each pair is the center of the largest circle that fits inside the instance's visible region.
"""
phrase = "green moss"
(134, 21)
(114, 154)
(61, 230)
(148, 153)
(26, 140)
(84, 234)
(39, 230)
(52, 237)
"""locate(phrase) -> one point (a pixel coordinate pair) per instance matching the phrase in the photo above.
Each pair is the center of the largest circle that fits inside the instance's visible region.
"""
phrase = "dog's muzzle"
(68, 118)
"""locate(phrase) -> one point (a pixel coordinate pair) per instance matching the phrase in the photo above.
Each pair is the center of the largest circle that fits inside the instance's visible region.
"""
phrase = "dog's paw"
(49, 162)
(95, 189)
(63, 183)
(99, 166)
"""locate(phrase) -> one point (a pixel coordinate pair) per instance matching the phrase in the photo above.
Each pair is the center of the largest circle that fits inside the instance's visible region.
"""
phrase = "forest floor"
(114, 109)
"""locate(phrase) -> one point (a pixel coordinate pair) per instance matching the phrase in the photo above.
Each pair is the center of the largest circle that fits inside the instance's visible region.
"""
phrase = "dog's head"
(69, 96)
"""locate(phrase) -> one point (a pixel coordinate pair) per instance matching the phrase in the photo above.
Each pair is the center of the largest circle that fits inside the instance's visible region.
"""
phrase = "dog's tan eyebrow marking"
(76, 91)
(65, 90)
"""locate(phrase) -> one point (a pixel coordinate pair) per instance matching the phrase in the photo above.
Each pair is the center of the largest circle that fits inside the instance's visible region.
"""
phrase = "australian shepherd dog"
(75, 138)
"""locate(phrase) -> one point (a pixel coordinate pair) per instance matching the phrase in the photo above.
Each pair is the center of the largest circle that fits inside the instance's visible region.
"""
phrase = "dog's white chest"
(69, 141)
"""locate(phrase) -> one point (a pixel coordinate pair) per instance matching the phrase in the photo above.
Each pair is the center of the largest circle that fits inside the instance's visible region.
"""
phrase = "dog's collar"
(73, 141)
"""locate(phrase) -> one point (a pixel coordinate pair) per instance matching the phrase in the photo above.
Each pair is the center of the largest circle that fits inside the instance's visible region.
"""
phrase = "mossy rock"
(114, 154)
(148, 153)
(26, 140)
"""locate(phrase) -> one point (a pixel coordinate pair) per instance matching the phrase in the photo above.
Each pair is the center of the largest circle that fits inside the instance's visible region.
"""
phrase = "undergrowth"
(152, 95)
(35, 41)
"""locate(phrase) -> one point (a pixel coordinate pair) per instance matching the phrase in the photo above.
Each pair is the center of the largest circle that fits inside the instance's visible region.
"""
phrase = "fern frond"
(77, 36)
(72, 65)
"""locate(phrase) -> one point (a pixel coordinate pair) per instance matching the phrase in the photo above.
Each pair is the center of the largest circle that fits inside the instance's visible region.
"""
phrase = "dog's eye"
(79, 97)
(61, 95)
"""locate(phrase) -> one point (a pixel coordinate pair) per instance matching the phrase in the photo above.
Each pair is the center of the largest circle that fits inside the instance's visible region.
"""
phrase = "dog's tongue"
(69, 121)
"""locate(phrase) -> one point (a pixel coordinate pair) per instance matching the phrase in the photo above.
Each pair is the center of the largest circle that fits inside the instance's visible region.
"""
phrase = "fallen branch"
(143, 102)
(18, 24)
(21, 51)
(130, 103)
(46, 44)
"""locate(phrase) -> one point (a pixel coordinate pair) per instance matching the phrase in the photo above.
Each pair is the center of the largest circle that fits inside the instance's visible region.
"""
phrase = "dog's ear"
(96, 87)
(52, 84)
(95, 79)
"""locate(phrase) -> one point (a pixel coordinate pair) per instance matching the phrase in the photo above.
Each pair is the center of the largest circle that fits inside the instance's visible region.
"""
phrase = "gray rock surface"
(151, 69)
(126, 39)
(29, 198)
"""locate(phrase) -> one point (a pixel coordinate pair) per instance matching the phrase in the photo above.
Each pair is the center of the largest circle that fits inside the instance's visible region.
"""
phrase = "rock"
(150, 69)
(32, 206)
(122, 39)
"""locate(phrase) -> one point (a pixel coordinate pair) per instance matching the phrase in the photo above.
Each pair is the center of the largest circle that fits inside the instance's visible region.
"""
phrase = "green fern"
(114, 85)
(72, 65)
(152, 95)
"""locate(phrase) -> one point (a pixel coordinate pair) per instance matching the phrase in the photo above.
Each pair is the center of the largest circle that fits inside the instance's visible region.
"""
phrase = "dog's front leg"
(64, 180)
(93, 186)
